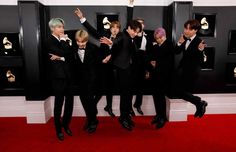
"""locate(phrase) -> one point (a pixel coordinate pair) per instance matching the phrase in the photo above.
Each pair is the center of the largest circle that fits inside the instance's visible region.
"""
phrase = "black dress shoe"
(160, 123)
(202, 109)
(125, 124)
(110, 112)
(92, 126)
(60, 136)
(132, 113)
(139, 110)
(68, 131)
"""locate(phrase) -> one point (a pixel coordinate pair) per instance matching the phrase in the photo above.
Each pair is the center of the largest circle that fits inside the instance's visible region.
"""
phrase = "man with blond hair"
(85, 75)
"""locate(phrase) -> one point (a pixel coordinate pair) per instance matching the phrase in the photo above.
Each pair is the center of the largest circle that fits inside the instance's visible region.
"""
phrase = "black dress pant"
(105, 84)
(87, 100)
(63, 94)
(160, 87)
(186, 80)
(124, 78)
(87, 94)
(139, 77)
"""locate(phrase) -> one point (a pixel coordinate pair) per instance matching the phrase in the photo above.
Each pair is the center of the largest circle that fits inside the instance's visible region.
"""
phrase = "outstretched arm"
(130, 9)
(86, 24)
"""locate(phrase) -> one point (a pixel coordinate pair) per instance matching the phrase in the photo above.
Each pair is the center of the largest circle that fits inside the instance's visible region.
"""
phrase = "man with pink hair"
(161, 64)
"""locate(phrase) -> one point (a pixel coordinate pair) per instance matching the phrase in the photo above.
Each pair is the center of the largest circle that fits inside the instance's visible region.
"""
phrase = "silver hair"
(55, 22)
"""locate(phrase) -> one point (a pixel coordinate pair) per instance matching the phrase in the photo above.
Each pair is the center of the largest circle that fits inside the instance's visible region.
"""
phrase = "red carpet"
(213, 133)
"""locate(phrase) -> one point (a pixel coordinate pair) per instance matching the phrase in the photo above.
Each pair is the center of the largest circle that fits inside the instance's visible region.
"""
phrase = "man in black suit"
(161, 66)
(85, 76)
(123, 50)
(106, 75)
(143, 44)
(189, 68)
(60, 51)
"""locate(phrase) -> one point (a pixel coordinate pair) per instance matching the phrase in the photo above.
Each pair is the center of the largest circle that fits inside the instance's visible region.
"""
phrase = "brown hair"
(82, 34)
(140, 19)
(116, 23)
(193, 24)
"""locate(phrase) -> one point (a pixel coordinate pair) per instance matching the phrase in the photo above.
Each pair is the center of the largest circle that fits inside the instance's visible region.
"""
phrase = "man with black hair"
(143, 43)
(189, 68)
(123, 55)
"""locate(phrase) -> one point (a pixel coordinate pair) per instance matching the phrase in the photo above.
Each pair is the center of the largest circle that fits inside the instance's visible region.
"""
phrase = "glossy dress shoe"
(201, 109)
(60, 136)
(139, 110)
(160, 123)
(68, 131)
(110, 112)
(92, 126)
(125, 124)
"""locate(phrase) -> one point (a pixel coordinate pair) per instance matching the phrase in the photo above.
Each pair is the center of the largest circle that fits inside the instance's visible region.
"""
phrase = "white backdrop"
(124, 2)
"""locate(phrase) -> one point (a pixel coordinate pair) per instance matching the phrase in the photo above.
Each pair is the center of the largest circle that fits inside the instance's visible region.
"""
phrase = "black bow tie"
(112, 38)
(81, 48)
(187, 39)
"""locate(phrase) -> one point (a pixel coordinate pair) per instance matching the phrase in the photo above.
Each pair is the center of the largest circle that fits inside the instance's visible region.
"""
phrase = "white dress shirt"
(81, 53)
(188, 42)
(143, 42)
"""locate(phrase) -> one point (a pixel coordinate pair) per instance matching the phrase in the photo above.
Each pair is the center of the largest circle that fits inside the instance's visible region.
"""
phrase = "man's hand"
(147, 75)
(131, 2)
(181, 39)
(106, 60)
(202, 46)
(153, 63)
(79, 13)
(63, 37)
(107, 41)
(54, 57)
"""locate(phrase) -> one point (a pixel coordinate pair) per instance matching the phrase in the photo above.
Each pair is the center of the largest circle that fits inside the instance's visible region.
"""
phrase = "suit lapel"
(191, 44)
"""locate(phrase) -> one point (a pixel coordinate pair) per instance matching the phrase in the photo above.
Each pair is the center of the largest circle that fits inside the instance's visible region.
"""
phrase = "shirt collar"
(56, 37)
(191, 38)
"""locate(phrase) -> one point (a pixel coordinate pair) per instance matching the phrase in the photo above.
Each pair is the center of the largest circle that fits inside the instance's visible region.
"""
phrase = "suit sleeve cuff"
(62, 59)
(130, 5)
(63, 39)
(82, 20)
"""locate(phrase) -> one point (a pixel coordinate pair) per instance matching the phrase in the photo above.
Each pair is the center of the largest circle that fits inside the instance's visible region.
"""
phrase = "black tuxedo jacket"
(104, 49)
(59, 69)
(85, 72)
(123, 50)
(192, 57)
(148, 33)
(164, 57)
